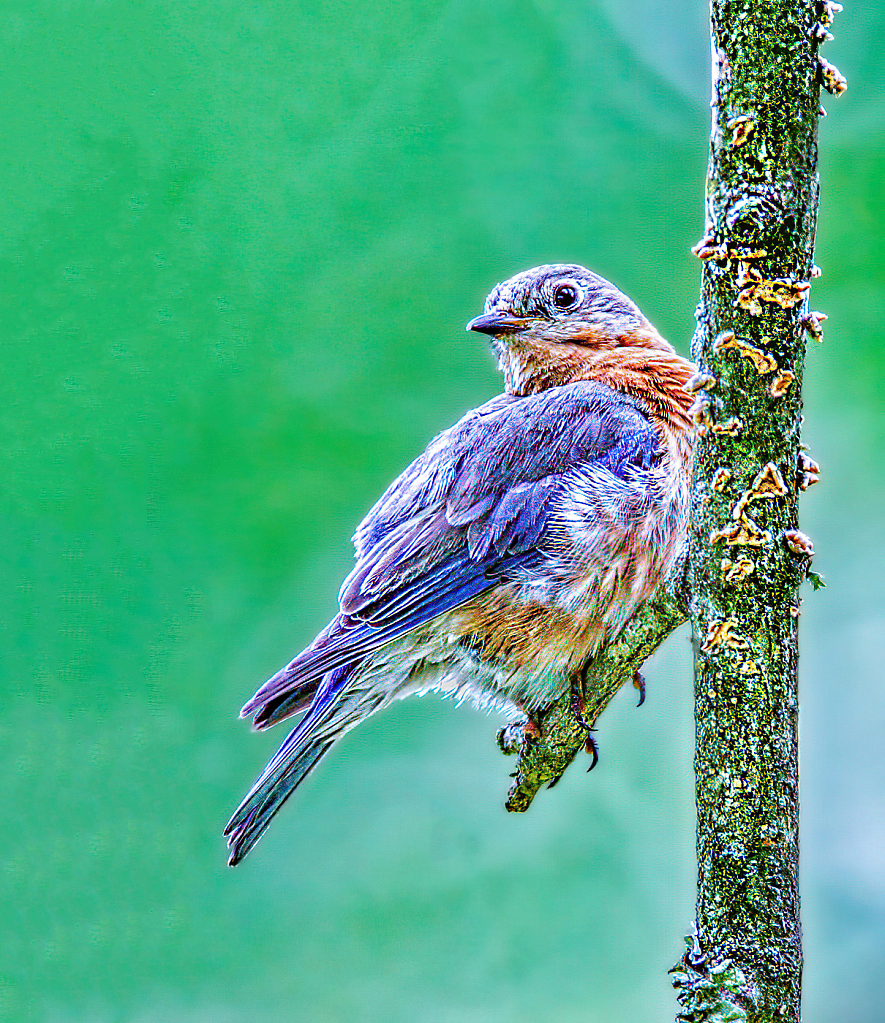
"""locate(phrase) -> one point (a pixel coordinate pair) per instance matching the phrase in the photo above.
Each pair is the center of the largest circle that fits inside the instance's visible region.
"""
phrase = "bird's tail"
(330, 715)
(342, 645)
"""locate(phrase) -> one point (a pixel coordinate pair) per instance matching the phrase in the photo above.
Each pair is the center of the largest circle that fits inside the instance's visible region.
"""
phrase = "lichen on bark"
(746, 560)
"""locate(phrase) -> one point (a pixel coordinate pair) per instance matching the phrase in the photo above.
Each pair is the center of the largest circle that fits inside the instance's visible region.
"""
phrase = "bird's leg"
(578, 706)
(511, 736)
(530, 727)
(639, 683)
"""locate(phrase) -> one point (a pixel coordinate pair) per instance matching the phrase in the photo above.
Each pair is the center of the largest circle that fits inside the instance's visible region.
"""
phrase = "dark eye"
(565, 296)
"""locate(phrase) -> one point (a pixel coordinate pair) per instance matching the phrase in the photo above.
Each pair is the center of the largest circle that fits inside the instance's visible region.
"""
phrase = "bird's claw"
(578, 711)
(639, 683)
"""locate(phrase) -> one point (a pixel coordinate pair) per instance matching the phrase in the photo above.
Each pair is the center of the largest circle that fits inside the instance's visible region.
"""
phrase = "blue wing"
(469, 513)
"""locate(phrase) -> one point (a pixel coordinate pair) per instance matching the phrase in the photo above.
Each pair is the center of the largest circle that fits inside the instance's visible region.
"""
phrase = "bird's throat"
(646, 367)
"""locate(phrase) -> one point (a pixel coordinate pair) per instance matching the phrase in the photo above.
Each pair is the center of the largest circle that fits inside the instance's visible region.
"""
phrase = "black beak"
(496, 323)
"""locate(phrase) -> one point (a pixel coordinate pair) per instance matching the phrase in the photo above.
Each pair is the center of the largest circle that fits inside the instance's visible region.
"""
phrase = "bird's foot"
(578, 708)
(512, 737)
(639, 683)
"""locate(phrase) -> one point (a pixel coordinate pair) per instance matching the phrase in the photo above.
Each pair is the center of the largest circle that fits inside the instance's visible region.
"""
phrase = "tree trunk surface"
(746, 556)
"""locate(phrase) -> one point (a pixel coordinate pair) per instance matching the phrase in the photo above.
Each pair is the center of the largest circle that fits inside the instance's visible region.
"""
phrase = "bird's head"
(551, 323)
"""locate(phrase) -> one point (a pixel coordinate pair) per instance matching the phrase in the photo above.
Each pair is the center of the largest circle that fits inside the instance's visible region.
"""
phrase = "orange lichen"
(756, 289)
(744, 532)
(722, 633)
(730, 428)
(707, 247)
(721, 252)
(809, 471)
(798, 543)
(781, 383)
(720, 478)
(741, 128)
(699, 382)
(831, 78)
(763, 362)
(736, 571)
(768, 483)
(812, 324)
(699, 413)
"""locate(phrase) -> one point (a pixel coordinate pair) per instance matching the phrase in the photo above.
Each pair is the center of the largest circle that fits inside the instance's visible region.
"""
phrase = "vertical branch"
(747, 557)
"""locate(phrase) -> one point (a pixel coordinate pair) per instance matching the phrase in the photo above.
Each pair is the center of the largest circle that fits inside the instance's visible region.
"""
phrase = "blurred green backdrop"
(239, 246)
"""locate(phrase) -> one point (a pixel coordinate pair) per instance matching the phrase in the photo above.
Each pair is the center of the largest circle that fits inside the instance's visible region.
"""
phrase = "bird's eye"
(565, 296)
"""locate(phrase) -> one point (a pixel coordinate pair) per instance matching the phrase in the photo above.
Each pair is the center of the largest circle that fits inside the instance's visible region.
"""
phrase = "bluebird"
(516, 545)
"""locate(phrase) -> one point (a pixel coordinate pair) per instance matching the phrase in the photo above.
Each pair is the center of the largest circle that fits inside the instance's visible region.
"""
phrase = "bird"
(518, 544)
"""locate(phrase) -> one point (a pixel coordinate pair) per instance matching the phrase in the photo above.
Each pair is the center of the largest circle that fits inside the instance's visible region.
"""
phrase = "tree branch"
(747, 557)
(543, 760)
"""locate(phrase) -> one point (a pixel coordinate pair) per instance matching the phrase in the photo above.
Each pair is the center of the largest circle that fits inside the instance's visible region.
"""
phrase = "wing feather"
(467, 514)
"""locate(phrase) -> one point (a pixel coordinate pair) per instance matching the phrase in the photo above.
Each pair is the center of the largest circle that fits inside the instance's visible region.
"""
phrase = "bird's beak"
(496, 323)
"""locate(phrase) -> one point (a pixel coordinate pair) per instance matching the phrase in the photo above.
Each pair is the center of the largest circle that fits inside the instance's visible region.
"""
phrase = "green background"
(239, 245)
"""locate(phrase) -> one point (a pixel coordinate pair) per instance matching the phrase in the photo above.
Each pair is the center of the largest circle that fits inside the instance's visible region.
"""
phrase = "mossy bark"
(747, 558)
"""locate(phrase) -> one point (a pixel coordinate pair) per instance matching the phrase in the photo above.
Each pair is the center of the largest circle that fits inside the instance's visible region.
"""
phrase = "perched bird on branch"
(521, 540)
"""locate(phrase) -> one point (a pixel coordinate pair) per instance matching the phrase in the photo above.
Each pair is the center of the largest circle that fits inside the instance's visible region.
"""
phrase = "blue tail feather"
(290, 765)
